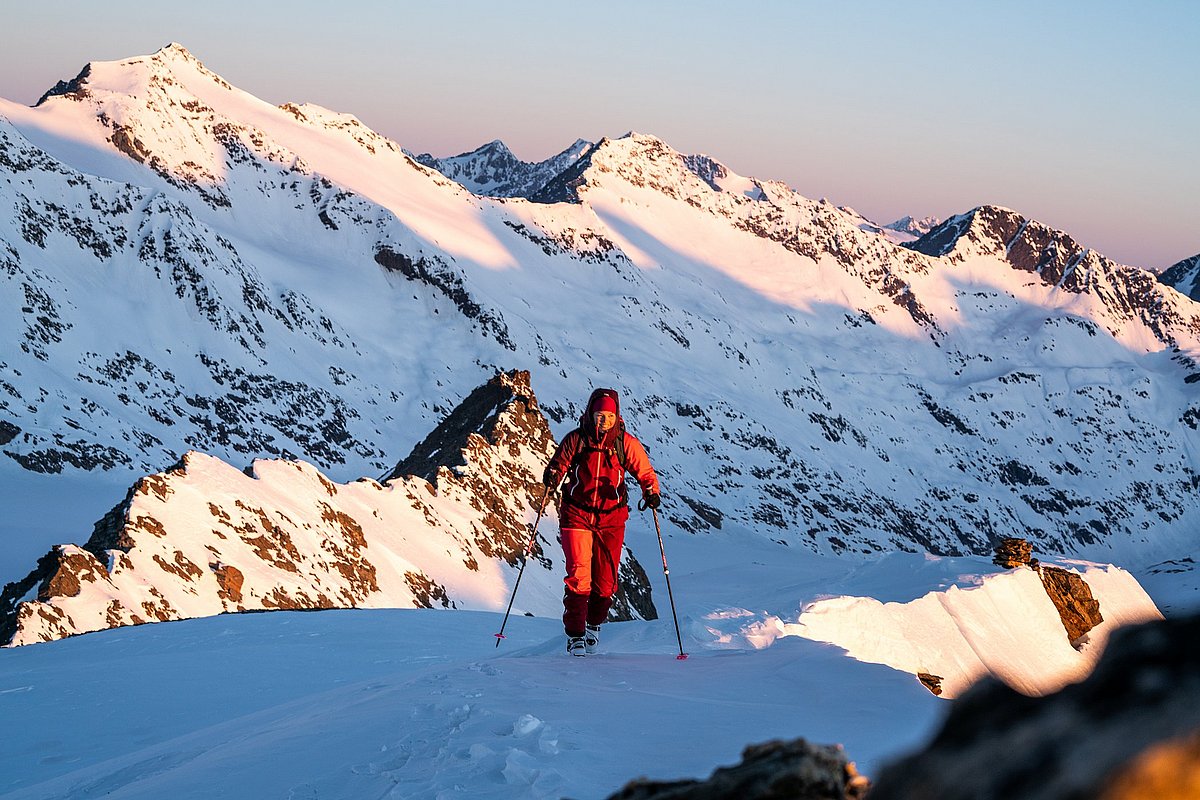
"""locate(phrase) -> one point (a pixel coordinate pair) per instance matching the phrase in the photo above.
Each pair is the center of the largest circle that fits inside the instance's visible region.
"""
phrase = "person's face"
(604, 420)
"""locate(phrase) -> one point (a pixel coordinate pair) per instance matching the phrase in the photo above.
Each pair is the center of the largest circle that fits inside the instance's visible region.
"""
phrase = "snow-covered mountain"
(186, 267)
(1184, 276)
(915, 227)
(494, 170)
(902, 231)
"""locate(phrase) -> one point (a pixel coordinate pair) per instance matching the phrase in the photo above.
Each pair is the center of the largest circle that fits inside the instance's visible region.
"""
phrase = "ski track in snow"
(522, 721)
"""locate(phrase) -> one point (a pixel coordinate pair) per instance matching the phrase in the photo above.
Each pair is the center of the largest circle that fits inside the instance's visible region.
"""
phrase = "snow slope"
(413, 703)
(964, 633)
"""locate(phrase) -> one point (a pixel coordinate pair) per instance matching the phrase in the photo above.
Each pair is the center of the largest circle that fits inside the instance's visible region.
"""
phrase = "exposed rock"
(441, 276)
(1184, 276)
(1135, 718)
(1080, 612)
(931, 682)
(230, 579)
(76, 88)
(771, 771)
(15, 593)
(74, 567)
(8, 432)
(1012, 553)
(1168, 770)
(474, 425)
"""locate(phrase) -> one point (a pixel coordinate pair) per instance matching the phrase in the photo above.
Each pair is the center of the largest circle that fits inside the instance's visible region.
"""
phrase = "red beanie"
(604, 403)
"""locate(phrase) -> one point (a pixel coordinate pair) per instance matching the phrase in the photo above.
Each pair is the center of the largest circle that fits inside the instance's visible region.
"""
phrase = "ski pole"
(667, 574)
(524, 561)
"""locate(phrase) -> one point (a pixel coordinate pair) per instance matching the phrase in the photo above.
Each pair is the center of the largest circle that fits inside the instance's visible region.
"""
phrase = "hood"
(585, 421)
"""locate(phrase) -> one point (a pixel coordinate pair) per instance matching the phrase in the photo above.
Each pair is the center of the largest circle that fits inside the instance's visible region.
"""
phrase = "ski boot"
(591, 638)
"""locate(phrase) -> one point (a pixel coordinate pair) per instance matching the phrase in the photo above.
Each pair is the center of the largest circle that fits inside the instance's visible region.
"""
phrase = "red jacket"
(595, 479)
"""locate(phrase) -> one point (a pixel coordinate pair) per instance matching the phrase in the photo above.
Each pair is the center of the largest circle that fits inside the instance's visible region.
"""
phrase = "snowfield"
(422, 704)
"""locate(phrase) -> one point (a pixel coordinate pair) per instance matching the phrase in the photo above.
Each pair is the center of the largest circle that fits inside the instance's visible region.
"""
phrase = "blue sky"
(1084, 115)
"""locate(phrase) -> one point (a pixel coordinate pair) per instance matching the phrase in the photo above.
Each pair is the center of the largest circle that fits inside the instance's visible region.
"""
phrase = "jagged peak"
(1183, 276)
(991, 227)
(508, 396)
(638, 157)
(175, 50)
(495, 146)
(912, 225)
(164, 62)
(1024, 243)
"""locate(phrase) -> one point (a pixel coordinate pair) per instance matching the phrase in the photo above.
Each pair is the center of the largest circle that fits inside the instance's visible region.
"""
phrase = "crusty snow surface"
(422, 704)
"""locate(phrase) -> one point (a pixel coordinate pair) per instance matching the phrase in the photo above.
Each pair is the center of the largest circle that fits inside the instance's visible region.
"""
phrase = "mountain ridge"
(201, 538)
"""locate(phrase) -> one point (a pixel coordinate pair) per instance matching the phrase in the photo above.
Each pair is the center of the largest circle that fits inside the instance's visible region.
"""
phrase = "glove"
(550, 478)
(653, 501)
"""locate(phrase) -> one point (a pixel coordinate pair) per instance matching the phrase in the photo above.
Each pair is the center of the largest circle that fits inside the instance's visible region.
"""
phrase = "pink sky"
(1083, 116)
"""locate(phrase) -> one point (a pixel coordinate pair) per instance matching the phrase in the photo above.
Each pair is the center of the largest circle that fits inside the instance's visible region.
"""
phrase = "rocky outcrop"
(1012, 553)
(1070, 593)
(205, 538)
(796, 770)
(1080, 612)
(503, 415)
(1128, 730)
(1130, 295)
(1026, 244)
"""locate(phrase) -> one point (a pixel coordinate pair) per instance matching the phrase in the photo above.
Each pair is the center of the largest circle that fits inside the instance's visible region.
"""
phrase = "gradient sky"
(1083, 115)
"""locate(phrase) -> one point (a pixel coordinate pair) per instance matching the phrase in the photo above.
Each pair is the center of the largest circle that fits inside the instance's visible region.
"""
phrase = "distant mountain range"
(494, 171)
(186, 267)
(1184, 277)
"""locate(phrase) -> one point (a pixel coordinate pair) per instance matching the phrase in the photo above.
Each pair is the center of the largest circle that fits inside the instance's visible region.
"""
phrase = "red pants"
(592, 544)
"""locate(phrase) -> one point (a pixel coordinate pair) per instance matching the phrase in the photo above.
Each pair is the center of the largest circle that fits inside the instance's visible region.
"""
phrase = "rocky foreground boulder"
(447, 528)
(774, 770)
(1130, 730)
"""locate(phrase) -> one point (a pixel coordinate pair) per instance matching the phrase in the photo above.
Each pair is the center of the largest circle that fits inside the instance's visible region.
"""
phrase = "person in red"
(592, 512)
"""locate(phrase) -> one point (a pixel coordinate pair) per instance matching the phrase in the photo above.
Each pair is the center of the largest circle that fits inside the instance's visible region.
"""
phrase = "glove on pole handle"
(524, 561)
(667, 574)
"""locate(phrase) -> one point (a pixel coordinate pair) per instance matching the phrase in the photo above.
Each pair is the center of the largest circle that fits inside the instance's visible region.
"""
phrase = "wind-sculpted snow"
(203, 538)
(188, 267)
(966, 632)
